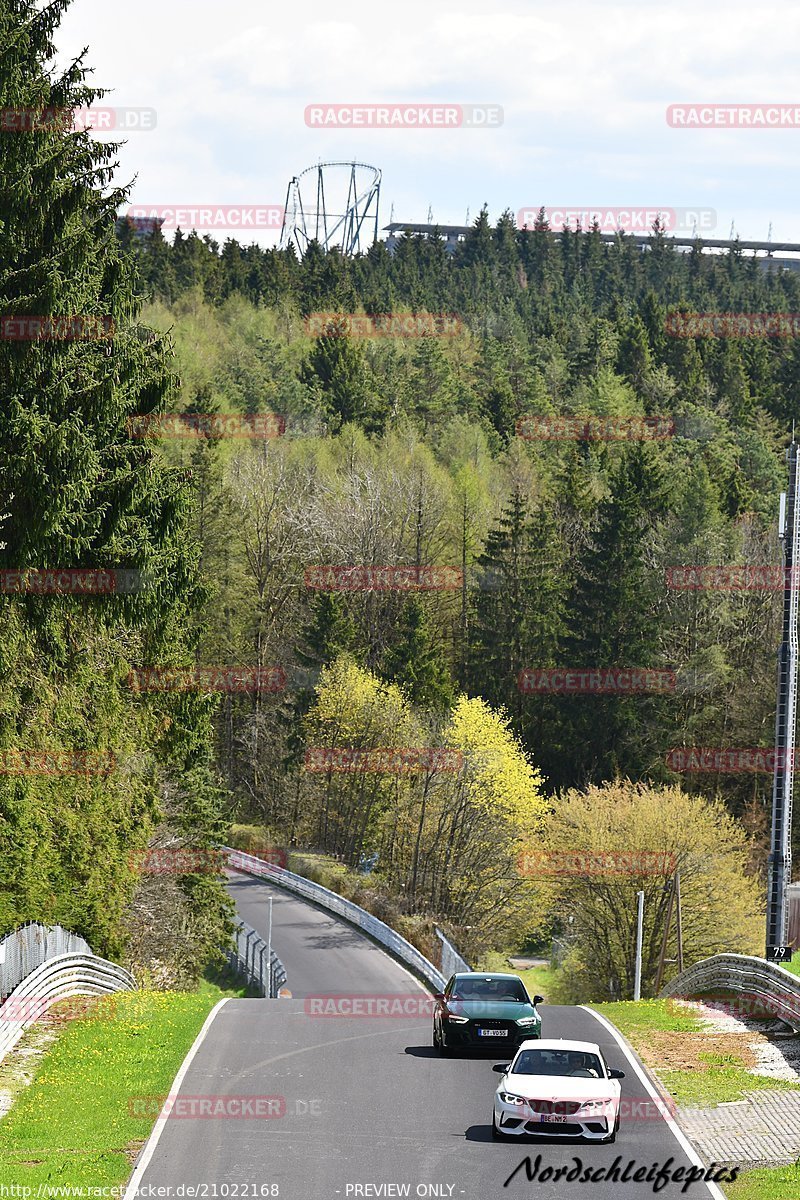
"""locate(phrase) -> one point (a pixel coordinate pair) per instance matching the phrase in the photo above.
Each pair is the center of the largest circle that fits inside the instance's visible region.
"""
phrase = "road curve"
(367, 1108)
(320, 952)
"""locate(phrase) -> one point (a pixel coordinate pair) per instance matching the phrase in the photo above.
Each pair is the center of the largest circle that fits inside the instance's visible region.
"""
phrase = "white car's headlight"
(595, 1105)
(509, 1098)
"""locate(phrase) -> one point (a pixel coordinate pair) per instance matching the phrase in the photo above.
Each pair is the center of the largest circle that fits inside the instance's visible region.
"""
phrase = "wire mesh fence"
(251, 958)
(22, 951)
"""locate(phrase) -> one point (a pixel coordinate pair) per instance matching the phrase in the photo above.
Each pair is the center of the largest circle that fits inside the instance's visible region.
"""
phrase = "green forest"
(392, 452)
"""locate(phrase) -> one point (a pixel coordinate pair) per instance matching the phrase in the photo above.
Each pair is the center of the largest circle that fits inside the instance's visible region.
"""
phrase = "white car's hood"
(560, 1087)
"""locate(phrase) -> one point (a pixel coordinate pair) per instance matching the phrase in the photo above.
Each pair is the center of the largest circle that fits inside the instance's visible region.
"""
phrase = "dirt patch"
(666, 1050)
(777, 1052)
(20, 1065)
(134, 1149)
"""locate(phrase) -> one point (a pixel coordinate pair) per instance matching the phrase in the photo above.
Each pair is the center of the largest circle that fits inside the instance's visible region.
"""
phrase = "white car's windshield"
(489, 989)
(578, 1063)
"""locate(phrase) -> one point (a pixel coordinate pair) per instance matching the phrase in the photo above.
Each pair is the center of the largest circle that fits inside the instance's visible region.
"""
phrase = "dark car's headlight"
(458, 1020)
(528, 1021)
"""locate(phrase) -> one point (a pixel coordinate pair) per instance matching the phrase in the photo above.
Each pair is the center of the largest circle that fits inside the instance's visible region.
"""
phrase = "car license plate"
(492, 1033)
(549, 1119)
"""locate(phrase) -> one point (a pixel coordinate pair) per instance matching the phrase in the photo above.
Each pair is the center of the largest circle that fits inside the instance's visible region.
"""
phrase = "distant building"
(143, 227)
(453, 234)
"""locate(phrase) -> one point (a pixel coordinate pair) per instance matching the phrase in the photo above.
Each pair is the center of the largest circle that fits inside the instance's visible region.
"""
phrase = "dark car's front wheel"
(438, 1041)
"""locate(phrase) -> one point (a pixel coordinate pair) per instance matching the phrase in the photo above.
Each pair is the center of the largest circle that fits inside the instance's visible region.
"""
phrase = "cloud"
(584, 88)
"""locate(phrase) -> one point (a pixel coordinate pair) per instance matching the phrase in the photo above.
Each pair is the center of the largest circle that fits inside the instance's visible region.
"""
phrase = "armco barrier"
(380, 932)
(26, 948)
(739, 974)
(57, 979)
(451, 960)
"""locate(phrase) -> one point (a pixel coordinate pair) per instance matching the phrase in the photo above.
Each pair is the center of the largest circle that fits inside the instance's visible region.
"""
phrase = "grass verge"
(73, 1124)
(710, 1070)
(541, 980)
(766, 1183)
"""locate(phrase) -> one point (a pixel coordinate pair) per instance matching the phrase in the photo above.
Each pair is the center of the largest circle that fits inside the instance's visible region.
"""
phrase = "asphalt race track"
(363, 1106)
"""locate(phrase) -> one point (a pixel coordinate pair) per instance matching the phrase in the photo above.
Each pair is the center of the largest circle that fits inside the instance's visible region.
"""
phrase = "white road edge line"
(674, 1128)
(155, 1134)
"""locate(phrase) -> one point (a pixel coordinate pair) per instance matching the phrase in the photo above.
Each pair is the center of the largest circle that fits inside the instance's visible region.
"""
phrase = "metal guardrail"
(380, 932)
(22, 951)
(451, 960)
(251, 958)
(763, 986)
(59, 978)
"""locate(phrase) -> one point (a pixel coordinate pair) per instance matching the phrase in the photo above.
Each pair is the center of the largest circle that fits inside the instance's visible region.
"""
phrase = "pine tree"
(635, 358)
(613, 622)
(81, 490)
(330, 632)
(495, 389)
(336, 371)
(431, 383)
(415, 662)
(518, 606)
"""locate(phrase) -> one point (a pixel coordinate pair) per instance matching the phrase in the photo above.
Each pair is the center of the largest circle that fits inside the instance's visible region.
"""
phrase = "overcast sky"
(584, 89)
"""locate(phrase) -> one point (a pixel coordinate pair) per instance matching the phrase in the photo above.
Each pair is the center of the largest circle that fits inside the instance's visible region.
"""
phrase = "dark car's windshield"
(489, 989)
(559, 1062)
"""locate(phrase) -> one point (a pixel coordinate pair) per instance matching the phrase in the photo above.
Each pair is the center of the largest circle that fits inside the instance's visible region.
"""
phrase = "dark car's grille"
(555, 1108)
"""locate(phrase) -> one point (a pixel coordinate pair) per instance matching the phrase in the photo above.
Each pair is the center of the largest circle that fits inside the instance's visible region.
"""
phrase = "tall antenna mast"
(779, 870)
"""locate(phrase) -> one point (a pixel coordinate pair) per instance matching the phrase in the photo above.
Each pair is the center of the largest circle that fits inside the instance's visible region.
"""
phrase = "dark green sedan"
(485, 1011)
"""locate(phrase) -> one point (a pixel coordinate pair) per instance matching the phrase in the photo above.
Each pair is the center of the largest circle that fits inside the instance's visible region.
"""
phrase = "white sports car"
(558, 1087)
